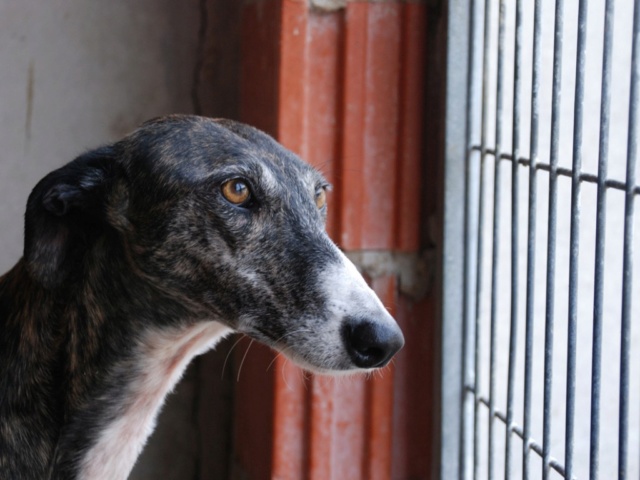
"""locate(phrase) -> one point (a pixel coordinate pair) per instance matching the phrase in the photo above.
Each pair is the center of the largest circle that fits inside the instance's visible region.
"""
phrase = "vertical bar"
(412, 93)
(574, 240)
(477, 360)
(496, 234)
(322, 97)
(453, 251)
(355, 70)
(377, 454)
(531, 237)
(551, 238)
(627, 262)
(373, 93)
(408, 434)
(466, 294)
(601, 202)
(380, 95)
(480, 236)
(515, 193)
(318, 459)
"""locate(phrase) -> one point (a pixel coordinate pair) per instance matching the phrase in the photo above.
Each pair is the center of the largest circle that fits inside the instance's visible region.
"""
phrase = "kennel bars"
(474, 100)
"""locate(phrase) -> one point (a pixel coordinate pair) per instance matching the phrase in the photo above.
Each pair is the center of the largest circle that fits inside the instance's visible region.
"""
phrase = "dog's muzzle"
(369, 335)
(369, 343)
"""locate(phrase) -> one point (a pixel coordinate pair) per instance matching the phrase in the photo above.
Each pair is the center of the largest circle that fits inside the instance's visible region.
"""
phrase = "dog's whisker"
(284, 375)
(380, 372)
(294, 332)
(242, 361)
(226, 358)
(304, 378)
(278, 353)
(281, 351)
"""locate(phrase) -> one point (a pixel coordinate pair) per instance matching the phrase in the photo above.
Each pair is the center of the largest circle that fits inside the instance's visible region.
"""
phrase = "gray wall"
(75, 74)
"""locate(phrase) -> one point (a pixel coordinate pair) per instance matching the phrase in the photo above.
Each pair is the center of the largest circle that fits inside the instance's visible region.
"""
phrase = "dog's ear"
(65, 211)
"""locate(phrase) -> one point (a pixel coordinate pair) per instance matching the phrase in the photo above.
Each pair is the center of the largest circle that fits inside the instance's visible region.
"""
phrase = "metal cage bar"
(531, 236)
(456, 269)
(574, 248)
(466, 377)
(603, 157)
(478, 447)
(551, 236)
(610, 183)
(481, 215)
(515, 196)
(627, 267)
(497, 200)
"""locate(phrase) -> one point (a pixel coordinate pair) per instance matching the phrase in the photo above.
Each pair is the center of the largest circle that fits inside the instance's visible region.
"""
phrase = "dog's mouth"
(358, 345)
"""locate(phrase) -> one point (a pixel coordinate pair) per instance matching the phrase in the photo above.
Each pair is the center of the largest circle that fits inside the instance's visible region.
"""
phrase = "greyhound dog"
(144, 253)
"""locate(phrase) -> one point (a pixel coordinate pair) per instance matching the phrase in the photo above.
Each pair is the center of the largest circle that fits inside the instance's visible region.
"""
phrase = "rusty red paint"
(345, 91)
(379, 405)
(373, 46)
(411, 127)
(321, 432)
(415, 393)
(290, 418)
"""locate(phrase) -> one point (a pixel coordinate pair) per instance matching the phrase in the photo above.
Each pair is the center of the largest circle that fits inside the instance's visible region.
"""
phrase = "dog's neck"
(160, 358)
(114, 366)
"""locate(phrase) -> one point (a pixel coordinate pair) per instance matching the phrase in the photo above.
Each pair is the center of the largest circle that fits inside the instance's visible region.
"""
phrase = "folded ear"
(65, 212)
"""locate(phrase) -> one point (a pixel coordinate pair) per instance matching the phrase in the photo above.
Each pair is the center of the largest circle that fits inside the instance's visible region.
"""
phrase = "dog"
(142, 254)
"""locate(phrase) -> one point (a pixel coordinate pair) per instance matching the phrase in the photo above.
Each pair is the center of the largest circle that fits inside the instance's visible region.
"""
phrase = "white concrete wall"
(75, 74)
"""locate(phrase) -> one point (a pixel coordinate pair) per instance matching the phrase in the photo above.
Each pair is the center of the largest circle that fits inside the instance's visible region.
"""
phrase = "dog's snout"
(371, 344)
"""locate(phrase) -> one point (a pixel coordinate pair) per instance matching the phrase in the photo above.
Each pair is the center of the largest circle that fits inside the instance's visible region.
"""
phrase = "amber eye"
(236, 191)
(321, 198)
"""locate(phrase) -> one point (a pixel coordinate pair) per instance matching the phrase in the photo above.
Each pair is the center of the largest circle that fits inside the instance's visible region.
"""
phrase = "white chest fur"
(163, 356)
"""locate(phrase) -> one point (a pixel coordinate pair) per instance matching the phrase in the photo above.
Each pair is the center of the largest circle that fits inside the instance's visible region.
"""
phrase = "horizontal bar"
(563, 172)
(515, 428)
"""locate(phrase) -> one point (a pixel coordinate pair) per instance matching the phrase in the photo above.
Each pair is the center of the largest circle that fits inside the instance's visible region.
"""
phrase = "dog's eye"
(236, 191)
(321, 198)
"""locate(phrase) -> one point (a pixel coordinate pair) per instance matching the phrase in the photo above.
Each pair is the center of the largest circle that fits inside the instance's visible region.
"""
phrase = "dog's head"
(218, 214)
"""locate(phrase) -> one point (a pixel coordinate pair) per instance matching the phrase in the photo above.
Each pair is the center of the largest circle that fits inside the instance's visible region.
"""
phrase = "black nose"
(371, 344)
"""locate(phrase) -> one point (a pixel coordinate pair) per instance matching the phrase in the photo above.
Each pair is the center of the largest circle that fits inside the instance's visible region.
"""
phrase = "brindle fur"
(136, 236)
